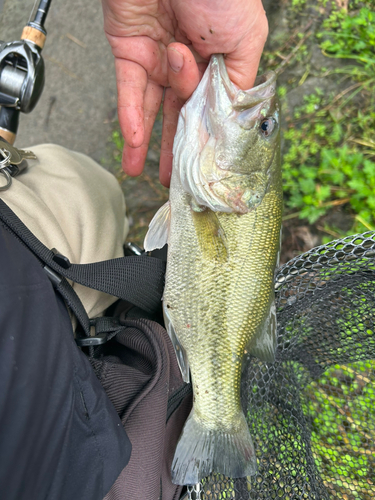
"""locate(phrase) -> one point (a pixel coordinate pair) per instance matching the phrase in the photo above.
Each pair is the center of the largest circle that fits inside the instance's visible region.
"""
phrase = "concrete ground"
(78, 107)
(78, 104)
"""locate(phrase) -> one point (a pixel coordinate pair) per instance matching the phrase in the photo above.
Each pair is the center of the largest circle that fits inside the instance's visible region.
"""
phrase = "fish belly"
(218, 295)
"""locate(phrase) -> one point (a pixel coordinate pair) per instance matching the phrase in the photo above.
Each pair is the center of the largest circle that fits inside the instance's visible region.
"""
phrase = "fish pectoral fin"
(181, 355)
(265, 343)
(158, 230)
(211, 236)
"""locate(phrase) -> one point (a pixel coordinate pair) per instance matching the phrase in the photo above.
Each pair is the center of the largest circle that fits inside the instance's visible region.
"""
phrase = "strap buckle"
(103, 327)
(99, 339)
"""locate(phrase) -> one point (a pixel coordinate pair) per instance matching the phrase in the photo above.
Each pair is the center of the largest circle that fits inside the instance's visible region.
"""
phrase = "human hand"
(166, 44)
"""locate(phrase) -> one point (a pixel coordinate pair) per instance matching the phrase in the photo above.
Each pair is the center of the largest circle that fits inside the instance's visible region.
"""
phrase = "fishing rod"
(22, 72)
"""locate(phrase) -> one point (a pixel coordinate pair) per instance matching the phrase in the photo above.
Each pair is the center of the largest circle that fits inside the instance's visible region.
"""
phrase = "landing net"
(312, 413)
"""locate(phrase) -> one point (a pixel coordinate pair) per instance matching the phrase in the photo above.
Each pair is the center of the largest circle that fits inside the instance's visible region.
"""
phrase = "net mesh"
(312, 413)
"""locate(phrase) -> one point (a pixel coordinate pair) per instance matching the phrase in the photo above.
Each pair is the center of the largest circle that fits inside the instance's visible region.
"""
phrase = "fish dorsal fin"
(181, 355)
(158, 230)
(264, 345)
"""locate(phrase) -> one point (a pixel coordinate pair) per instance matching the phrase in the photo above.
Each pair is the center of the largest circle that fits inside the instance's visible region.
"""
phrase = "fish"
(222, 224)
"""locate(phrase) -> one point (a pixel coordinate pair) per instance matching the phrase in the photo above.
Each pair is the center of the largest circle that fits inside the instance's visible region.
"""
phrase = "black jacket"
(60, 437)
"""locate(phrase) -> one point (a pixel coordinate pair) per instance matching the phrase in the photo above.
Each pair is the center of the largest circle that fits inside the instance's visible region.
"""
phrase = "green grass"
(329, 159)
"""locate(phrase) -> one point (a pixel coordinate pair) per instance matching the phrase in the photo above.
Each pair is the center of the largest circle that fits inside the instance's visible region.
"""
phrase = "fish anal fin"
(264, 345)
(279, 250)
(181, 355)
(158, 231)
(211, 236)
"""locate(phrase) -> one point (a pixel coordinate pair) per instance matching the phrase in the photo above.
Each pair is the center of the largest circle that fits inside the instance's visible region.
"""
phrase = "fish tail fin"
(201, 451)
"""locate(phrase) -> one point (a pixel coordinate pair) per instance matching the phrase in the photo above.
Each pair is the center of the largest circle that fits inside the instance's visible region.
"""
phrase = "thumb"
(242, 64)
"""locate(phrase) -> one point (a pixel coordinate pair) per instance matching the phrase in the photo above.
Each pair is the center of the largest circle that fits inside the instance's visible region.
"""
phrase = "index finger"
(133, 159)
(131, 87)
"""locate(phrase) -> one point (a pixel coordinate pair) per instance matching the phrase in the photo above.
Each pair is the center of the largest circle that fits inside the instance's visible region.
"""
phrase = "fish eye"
(267, 126)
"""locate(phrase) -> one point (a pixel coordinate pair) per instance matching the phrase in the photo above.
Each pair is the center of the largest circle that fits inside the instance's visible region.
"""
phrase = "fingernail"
(175, 59)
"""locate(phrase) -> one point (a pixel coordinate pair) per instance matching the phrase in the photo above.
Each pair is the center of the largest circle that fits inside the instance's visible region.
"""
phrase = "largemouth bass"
(222, 225)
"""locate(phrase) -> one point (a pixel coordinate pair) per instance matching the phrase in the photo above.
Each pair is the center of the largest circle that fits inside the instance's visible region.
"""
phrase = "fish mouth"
(219, 113)
(264, 87)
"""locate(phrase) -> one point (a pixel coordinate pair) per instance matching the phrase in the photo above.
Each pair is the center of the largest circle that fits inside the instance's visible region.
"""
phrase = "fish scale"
(230, 303)
(222, 225)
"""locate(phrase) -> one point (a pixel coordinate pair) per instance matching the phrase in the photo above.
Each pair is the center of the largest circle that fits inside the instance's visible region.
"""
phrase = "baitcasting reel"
(22, 73)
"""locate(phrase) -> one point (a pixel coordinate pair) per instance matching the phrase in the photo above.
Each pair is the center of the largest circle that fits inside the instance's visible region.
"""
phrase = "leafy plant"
(351, 37)
(330, 155)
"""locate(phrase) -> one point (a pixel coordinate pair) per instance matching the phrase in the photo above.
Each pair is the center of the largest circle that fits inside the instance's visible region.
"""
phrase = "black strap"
(138, 279)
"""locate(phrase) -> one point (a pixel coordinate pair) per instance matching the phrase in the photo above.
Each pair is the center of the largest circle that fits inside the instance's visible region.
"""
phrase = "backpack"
(131, 355)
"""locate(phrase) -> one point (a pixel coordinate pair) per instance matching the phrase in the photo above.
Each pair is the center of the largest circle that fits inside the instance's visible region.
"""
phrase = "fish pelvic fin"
(181, 355)
(265, 343)
(201, 451)
(158, 230)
